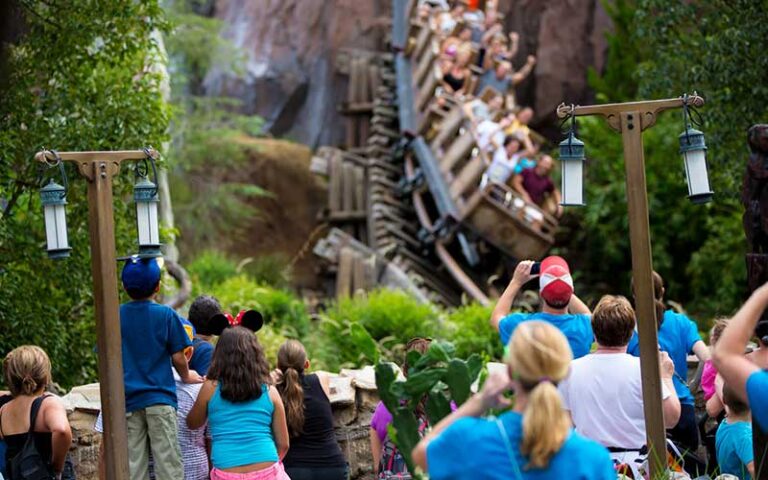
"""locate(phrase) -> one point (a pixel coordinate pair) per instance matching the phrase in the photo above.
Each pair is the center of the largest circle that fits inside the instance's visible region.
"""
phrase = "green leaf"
(474, 365)
(368, 346)
(458, 380)
(385, 378)
(404, 431)
(418, 384)
(437, 406)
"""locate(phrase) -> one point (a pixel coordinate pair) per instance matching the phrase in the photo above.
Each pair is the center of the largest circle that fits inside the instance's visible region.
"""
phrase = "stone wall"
(353, 398)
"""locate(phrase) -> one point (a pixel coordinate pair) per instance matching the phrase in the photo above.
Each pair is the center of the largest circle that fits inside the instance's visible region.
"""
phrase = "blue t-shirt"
(677, 336)
(241, 433)
(576, 327)
(475, 448)
(733, 443)
(757, 395)
(201, 357)
(152, 333)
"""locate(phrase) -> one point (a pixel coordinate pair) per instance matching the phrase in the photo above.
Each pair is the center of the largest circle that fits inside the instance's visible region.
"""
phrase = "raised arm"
(702, 351)
(521, 276)
(521, 74)
(728, 355)
(576, 305)
(279, 424)
(55, 418)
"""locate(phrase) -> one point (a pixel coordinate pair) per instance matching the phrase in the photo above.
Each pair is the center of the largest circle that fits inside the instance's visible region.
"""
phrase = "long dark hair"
(239, 365)
(291, 359)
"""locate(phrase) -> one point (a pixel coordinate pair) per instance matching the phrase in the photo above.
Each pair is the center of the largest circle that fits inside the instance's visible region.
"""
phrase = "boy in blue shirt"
(561, 307)
(733, 441)
(153, 339)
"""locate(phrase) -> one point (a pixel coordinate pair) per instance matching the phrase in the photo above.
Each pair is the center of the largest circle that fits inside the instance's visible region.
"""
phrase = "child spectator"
(314, 452)
(153, 340)
(245, 415)
(561, 307)
(388, 462)
(534, 439)
(203, 308)
(734, 438)
(709, 372)
(32, 413)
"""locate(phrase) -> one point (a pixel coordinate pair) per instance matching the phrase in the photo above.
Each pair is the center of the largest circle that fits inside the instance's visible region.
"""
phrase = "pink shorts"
(275, 472)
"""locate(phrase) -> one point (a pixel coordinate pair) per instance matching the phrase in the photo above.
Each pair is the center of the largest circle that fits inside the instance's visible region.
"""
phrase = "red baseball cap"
(555, 282)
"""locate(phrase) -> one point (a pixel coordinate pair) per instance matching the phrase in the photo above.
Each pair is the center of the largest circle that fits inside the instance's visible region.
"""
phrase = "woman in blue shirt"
(532, 441)
(245, 415)
(679, 337)
(747, 380)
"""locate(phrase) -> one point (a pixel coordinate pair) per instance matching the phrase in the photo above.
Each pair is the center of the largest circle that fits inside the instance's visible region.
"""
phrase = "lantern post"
(99, 168)
(630, 119)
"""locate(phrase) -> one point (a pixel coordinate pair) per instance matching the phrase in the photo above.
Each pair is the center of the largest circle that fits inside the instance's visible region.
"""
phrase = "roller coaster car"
(503, 218)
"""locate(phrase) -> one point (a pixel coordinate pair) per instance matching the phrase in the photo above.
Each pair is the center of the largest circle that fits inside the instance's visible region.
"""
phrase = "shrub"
(211, 268)
(282, 309)
(268, 270)
(470, 332)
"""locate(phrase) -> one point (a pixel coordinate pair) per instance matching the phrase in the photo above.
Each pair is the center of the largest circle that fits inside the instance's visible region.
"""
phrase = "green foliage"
(81, 77)
(271, 270)
(389, 317)
(659, 50)
(281, 308)
(434, 379)
(471, 332)
(210, 268)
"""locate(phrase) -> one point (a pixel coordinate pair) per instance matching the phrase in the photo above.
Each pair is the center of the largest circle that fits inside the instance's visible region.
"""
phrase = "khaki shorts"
(154, 427)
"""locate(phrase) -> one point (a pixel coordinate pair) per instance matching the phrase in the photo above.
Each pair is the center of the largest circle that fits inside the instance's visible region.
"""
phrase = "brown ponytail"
(539, 358)
(291, 359)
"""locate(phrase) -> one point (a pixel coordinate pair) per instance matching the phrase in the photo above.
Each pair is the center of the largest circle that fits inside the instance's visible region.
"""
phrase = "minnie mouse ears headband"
(250, 319)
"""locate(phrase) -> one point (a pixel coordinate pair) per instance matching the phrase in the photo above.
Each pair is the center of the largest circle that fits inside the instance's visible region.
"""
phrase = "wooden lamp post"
(99, 168)
(630, 119)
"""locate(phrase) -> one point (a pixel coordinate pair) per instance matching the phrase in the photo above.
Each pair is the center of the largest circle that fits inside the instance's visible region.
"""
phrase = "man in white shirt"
(603, 391)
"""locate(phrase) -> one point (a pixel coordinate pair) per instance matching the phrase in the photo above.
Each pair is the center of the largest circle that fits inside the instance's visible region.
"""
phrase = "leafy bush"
(211, 268)
(268, 270)
(471, 332)
(282, 309)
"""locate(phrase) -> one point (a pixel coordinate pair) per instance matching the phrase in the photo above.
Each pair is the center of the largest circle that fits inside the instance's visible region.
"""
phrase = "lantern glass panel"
(572, 182)
(146, 219)
(696, 172)
(61, 227)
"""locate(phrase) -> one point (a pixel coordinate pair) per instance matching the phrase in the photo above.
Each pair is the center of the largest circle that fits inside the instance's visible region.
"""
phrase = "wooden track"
(409, 206)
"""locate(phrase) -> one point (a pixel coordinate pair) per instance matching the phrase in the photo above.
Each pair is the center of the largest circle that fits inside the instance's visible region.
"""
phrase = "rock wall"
(292, 45)
(567, 37)
(291, 48)
(353, 399)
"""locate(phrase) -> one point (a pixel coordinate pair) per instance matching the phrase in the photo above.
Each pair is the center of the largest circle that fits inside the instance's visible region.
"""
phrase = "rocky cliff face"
(567, 37)
(292, 46)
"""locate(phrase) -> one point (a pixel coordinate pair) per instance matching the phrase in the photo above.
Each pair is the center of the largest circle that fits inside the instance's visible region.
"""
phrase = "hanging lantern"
(54, 197)
(694, 150)
(572, 171)
(145, 196)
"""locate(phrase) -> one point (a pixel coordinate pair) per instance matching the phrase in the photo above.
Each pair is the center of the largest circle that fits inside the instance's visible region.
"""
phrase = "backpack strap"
(33, 411)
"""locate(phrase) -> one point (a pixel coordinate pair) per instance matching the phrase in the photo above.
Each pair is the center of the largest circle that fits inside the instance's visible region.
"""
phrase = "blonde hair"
(539, 358)
(291, 359)
(27, 370)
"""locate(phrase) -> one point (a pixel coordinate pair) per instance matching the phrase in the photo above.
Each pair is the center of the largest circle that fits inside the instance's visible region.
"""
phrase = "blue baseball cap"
(140, 273)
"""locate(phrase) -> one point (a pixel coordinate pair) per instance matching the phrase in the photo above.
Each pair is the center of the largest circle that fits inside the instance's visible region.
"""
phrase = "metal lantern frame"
(145, 194)
(572, 160)
(693, 148)
(53, 197)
